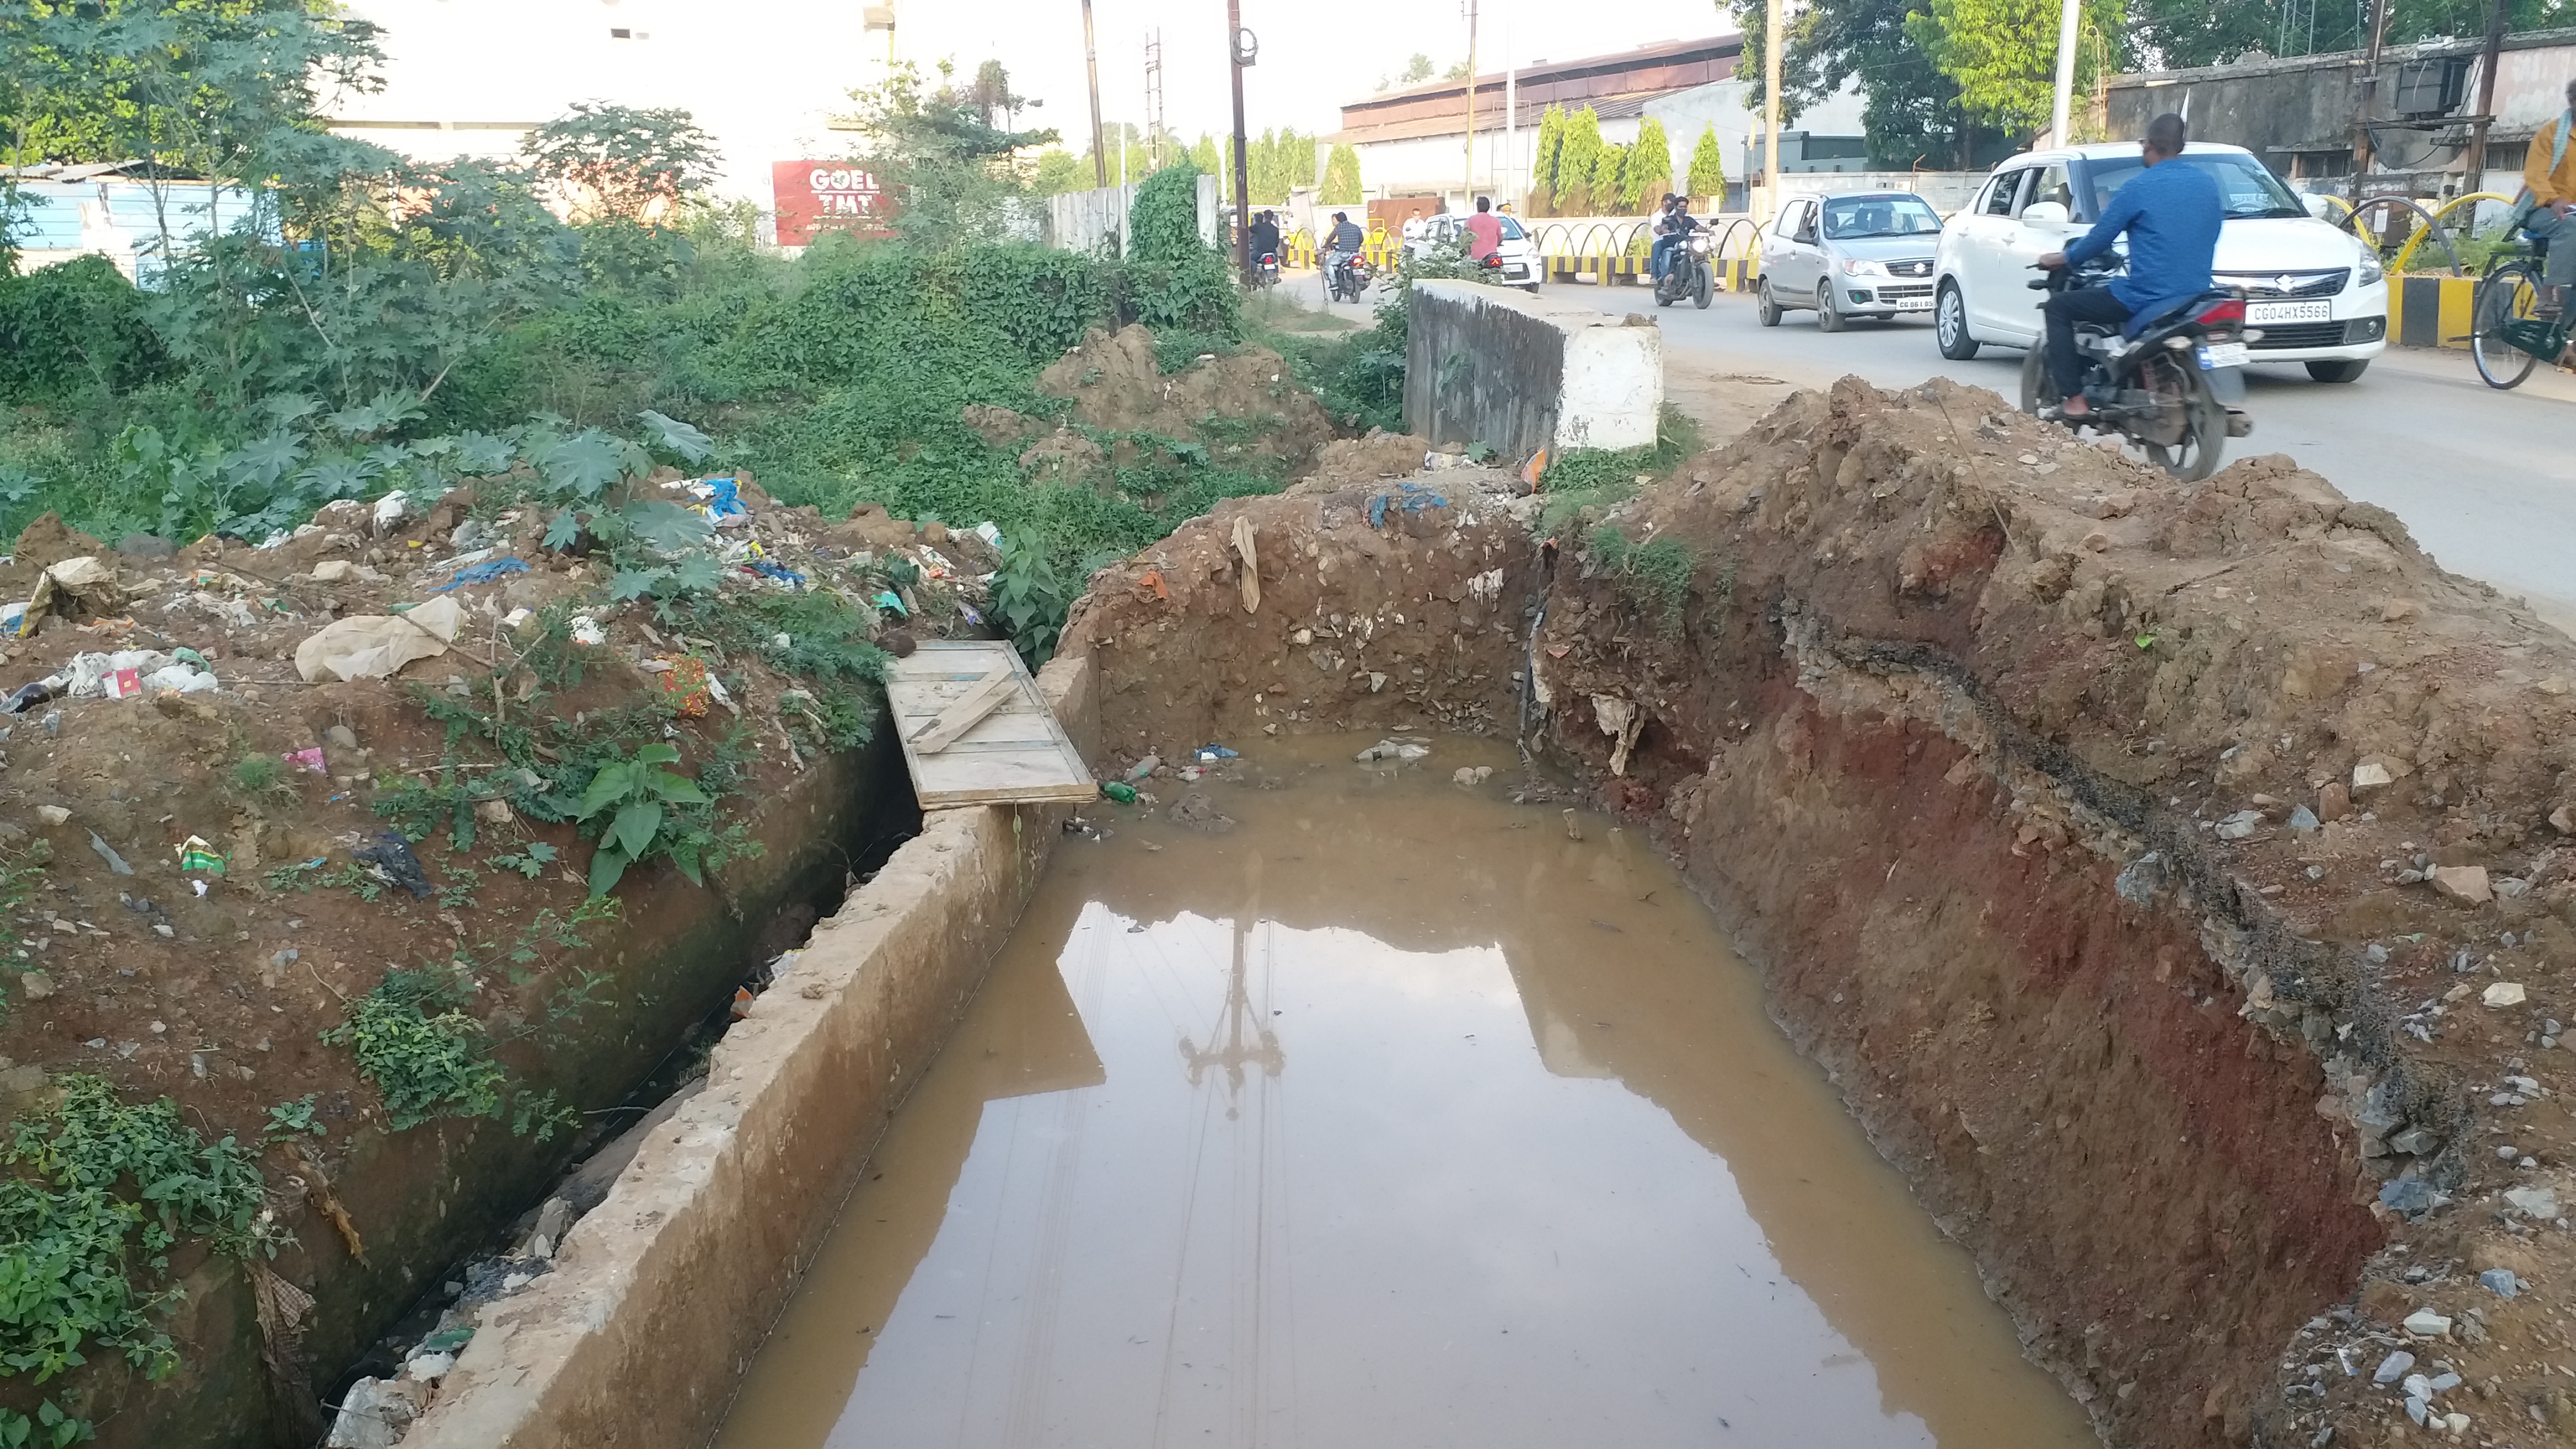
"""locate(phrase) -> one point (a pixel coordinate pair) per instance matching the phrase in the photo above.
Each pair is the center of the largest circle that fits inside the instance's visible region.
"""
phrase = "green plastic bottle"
(1120, 791)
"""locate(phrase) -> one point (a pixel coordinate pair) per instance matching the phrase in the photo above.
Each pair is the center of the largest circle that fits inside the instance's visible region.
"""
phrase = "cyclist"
(2550, 175)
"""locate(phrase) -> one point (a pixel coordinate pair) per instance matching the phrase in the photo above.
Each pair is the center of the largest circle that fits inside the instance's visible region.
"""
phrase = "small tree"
(621, 161)
(1551, 141)
(2003, 54)
(1649, 172)
(1610, 179)
(1059, 171)
(1578, 159)
(1341, 178)
(1299, 155)
(1708, 168)
(1417, 68)
(1205, 156)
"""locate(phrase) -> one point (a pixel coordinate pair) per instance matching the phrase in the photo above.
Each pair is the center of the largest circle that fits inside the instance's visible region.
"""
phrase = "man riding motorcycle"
(2172, 215)
(1342, 241)
(1672, 222)
(1264, 236)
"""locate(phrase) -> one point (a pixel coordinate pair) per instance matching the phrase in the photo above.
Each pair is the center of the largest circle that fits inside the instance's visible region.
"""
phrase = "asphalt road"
(2486, 480)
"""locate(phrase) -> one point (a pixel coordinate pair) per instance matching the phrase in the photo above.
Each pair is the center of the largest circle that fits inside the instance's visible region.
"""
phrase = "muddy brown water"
(1391, 1117)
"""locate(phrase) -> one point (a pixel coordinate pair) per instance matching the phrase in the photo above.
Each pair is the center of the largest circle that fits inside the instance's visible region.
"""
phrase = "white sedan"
(1519, 253)
(2314, 293)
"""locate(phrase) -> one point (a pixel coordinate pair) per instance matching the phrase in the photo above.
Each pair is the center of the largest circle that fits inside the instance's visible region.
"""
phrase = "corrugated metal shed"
(101, 209)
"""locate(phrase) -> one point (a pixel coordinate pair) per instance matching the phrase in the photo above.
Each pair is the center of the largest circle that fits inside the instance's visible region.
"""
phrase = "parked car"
(1861, 254)
(1519, 255)
(2314, 293)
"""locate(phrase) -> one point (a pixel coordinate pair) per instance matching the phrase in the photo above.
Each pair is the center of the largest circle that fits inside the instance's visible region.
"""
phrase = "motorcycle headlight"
(1699, 245)
(2372, 269)
(1855, 267)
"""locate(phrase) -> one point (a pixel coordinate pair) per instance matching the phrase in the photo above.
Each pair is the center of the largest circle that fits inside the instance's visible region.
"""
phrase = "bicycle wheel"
(2507, 294)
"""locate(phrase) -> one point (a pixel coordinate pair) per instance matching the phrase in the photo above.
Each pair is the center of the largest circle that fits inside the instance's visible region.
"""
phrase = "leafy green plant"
(1031, 599)
(531, 862)
(635, 797)
(1657, 573)
(293, 1121)
(428, 1058)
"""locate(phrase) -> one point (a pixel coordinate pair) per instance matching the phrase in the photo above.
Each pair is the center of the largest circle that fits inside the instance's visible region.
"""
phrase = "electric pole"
(1091, 62)
(1770, 110)
(2070, 15)
(1470, 203)
(2473, 168)
(1154, 100)
(1243, 50)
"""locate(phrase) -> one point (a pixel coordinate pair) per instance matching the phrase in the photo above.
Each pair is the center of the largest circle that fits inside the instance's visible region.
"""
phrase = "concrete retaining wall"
(1518, 373)
(661, 1294)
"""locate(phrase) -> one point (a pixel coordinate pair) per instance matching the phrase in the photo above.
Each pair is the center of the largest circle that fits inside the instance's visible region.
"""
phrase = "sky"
(1313, 58)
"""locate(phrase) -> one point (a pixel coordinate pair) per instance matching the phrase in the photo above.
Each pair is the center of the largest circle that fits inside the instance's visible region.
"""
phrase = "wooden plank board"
(1015, 753)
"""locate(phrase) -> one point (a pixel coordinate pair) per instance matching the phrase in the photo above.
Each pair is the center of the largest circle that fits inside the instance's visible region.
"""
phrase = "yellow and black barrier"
(2430, 311)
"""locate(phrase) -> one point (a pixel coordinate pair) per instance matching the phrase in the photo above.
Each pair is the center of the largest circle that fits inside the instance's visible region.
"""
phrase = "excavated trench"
(2106, 843)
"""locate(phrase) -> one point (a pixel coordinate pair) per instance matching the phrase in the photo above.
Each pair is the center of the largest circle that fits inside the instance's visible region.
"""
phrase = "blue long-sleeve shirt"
(2172, 213)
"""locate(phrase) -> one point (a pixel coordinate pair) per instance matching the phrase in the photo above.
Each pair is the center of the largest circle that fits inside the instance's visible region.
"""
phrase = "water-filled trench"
(1393, 1115)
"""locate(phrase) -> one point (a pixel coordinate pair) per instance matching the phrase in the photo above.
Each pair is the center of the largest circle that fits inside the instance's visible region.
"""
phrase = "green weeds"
(427, 1056)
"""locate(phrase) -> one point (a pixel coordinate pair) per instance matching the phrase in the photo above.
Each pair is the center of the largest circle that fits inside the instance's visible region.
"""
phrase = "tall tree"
(1650, 165)
(1610, 179)
(932, 144)
(2003, 54)
(1341, 178)
(1910, 109)
(1708, 168)
(1578, 160)
(622, 161)
(1299, 157)
(1204, 156)
(1543, 159)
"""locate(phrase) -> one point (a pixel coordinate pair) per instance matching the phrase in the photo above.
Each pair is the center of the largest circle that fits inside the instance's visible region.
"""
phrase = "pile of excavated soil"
(1242, 405)
(1360, 462)
(2179, 881)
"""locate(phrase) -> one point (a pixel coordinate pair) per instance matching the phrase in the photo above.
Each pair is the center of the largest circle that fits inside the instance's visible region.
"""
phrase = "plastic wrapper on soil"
(371, 646)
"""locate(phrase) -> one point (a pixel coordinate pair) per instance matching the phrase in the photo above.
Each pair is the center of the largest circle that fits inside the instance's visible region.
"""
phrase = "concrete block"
(1517, 373)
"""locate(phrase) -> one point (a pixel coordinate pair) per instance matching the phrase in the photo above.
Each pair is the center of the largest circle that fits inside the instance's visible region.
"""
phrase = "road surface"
(2486, 480)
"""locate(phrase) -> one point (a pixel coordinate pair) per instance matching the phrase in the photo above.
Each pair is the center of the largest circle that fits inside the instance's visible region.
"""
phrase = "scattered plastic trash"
(586, 630)
(1120, 791)
(515, 618)
(99, 674)
(106, 852)
(484, 573)
(82, 580)
(13, 618)
(181, 679)
(1398, 750)
(196, 854)
(1413, 498)
(123, 684)
(1143, 768)
(967, 612)
(310, 759)
(720, 499)
(26, 696)
(889, 599)
(935, 564)
(389, 511)
(779, 572)
(1436, 461)
(1216, 752)
(990, 533)
(372, 646)
(684, 683)
(389, 858)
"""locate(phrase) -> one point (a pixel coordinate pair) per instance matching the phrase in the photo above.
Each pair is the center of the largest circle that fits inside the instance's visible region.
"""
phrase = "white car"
(1518, 252)
(2315, 293)
(1857, 254)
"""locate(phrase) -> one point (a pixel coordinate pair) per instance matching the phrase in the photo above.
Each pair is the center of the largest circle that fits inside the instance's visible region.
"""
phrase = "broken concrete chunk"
(2503, 993)
(2393, 1367)
(2563, 819)
(2334, 802)
(2415, 1142)
(2425, 1323)
(2501, 1281)
(333, 571)
(2369, 775)
(2240, 825)
(52, 814)
(2466, 884)
(2538, 1202)
(2303, 820)
(372, 1416)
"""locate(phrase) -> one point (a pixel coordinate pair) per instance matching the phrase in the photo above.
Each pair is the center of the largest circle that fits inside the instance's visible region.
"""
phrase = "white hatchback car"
(1519, 254)
(2316, 294)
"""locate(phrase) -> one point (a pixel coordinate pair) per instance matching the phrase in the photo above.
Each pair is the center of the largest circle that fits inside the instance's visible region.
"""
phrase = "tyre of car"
(1765, 310)
(2343, 369)
(1828, 317)
(1950, 324)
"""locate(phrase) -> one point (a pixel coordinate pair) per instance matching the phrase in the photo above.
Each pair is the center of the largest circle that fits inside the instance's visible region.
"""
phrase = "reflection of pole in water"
(1236, 1051)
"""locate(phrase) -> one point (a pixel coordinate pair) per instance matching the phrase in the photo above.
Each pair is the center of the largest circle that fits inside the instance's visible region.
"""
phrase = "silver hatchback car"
(1866, 254)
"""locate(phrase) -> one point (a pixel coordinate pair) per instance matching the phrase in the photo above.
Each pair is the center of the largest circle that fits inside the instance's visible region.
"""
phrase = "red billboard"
(819, 196)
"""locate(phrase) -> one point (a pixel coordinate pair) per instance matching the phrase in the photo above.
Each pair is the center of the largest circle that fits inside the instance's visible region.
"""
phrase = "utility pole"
(1091, 62)
(1154, 99)
(1511, 187)
(2361, 143)
(1770, 111)
(1471, 106)
(2070, 16)
(1242, 50)
(2473, 169)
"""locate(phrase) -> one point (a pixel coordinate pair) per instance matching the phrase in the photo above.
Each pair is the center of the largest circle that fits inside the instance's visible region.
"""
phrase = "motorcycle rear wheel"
(2204, 428)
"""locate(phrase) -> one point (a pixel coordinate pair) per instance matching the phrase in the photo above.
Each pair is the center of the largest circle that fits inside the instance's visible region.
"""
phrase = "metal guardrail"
(1606, 251)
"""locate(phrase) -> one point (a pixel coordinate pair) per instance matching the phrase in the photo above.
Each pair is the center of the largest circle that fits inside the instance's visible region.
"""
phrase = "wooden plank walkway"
(1015, 753)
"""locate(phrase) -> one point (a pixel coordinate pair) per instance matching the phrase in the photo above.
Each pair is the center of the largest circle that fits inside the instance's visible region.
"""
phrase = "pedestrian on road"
(2550, 175)
(1484, 231)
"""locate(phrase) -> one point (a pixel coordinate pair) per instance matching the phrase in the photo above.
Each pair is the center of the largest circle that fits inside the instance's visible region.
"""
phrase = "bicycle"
(2505, 338)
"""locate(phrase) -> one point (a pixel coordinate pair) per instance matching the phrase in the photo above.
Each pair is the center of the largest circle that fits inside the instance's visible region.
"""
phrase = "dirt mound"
(1000, 426)
(1243, 406)
(1358, 462)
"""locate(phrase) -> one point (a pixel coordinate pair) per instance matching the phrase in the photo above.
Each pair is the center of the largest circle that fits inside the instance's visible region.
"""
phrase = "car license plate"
(2223, 354)
(1913, 304)
(2260, 314)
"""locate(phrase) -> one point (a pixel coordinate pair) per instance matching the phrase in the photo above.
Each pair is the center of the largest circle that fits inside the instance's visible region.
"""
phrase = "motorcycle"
(1688, 272)
(1350, 278)
(2174, 390)
(1265, 270)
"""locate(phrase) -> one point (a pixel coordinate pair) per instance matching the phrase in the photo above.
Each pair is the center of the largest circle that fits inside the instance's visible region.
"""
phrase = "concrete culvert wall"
(1516, 374)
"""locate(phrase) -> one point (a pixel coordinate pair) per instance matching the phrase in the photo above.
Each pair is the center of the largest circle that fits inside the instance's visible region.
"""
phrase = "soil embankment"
(2171, 877)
